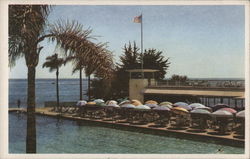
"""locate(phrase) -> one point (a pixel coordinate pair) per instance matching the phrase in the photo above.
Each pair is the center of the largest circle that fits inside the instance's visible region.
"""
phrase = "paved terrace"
(222, 139)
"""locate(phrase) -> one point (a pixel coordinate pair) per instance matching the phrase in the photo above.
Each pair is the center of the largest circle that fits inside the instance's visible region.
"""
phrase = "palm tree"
(100, 61)
(102, 66)
(27, 29)
(53, 63)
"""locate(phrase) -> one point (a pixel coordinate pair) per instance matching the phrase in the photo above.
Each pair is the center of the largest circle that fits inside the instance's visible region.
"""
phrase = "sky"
(201, 41)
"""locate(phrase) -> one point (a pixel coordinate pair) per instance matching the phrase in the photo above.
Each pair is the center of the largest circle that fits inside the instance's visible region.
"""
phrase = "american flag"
(138, 19)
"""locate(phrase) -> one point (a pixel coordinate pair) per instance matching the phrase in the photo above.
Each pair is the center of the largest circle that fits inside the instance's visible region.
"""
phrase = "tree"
(131, 59)
(27, 28)
(179, 79)
(53, 63)
(100, 62)
(26, 23)
(153, 59)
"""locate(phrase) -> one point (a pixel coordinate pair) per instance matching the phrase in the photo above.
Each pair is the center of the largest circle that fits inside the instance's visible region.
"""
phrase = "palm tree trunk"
(89, 86)
(57, 90)
(80, 83)
(31, 118)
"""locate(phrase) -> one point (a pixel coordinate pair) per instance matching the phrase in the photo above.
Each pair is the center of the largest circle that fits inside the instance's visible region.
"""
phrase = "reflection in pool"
(65, 136)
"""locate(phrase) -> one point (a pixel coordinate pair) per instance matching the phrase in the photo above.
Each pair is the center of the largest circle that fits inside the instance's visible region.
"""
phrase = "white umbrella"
(113, 105)
(222, 113)
(111, 102)
(142, 107)
(81, 103)
(241, 114)
(204, 108)
(125, 102)
(127, 106)
(197, 105)
(177, 104)
(200, 111)
(99, 101)
(161, 108)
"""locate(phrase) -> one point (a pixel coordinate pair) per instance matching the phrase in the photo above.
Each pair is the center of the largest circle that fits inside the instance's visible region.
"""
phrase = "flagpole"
(142, 47)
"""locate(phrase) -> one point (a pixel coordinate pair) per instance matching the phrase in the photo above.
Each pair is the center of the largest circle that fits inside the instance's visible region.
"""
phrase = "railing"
(202, 83)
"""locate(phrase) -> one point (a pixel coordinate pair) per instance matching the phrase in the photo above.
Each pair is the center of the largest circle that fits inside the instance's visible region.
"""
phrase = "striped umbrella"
(229, 109)
(219, 106)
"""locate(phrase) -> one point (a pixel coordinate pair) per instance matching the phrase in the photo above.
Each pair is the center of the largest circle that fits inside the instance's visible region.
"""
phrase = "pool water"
(65, 136)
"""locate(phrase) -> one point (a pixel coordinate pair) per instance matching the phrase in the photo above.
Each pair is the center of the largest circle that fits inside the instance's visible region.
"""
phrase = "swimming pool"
(66, 136)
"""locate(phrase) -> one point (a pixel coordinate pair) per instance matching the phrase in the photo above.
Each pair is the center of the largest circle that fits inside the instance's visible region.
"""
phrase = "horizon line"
(164, 78)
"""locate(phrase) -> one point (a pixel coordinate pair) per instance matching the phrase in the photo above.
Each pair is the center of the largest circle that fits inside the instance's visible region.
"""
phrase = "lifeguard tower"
(138, 80)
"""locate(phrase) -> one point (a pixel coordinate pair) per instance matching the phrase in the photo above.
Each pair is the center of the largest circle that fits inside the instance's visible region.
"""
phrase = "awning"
(212, 93)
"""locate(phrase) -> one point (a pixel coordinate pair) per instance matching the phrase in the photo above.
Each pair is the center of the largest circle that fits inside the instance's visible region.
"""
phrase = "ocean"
(69, 90)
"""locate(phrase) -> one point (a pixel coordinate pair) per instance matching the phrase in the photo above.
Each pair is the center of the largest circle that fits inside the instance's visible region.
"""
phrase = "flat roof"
(196, 92)
(142, 70)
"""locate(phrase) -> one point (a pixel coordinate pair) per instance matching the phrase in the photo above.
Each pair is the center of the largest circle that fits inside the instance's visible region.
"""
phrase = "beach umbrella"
(127, 106)
(222, 113)
(161, 108)
(196, 105)
(99, 101)
(142, 107)
(230, 110)
(113, 105)
(152, 105)
(200, 111)
(182, 105)
(177, 104)
(169, 106)
(136, 102)
(151, 102)
(91, 103)
(179, 110)
(165, 103)
(241, 114)
(111, 102)
(125, 102)
(204, 108)
(219, 106)
(81, 103)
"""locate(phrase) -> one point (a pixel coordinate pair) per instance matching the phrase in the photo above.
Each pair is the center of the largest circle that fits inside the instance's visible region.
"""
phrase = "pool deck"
(223, 139)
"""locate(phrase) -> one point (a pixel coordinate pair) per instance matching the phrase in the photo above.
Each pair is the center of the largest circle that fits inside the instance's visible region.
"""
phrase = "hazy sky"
(201, 41)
